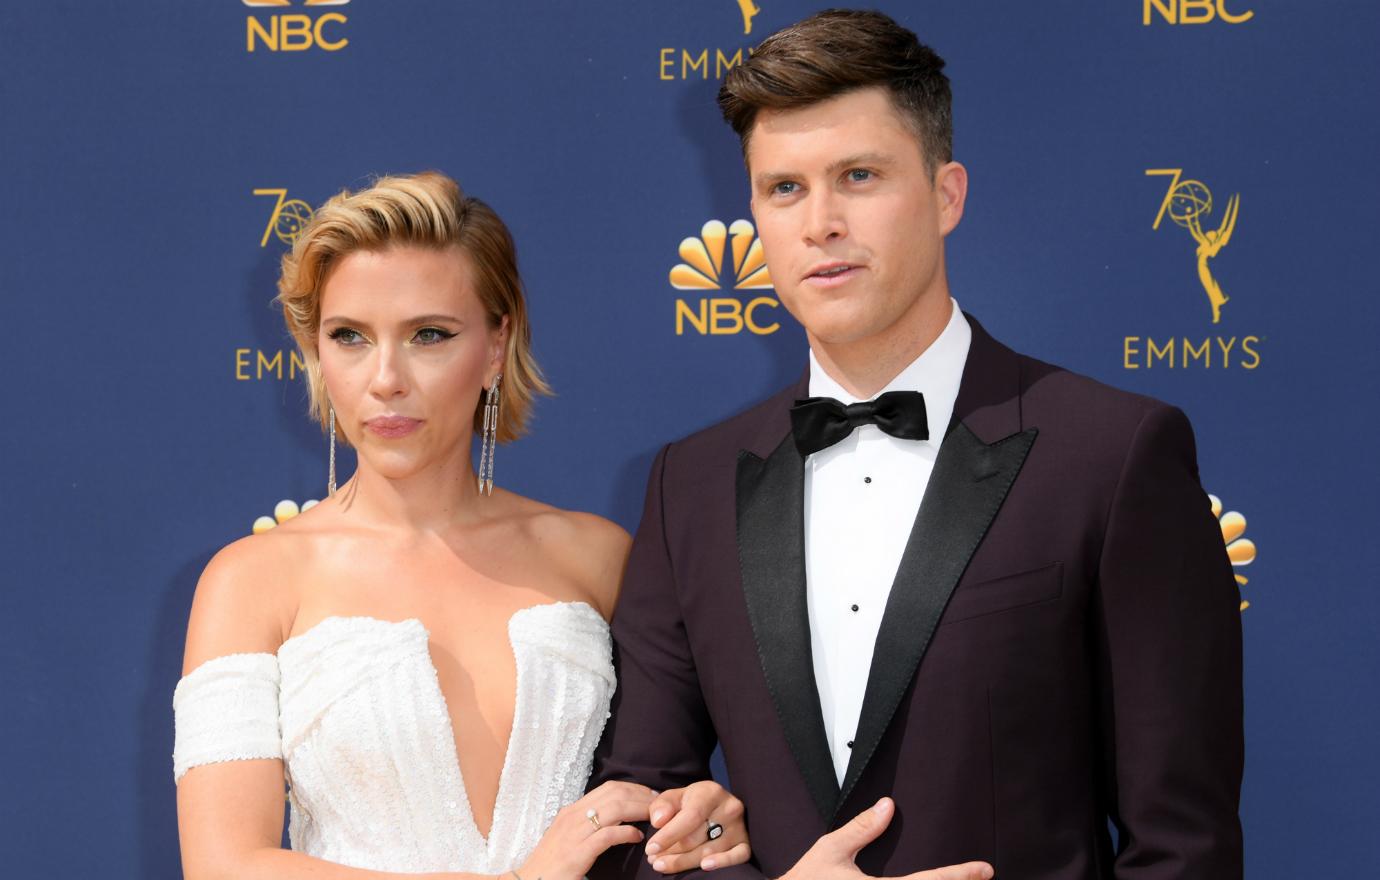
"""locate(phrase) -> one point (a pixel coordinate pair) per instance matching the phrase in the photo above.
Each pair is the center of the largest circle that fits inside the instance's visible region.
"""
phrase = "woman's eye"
(346, 336)
(432, 335)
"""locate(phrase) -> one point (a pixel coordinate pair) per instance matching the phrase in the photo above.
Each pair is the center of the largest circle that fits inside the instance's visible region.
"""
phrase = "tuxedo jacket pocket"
(1004, 593)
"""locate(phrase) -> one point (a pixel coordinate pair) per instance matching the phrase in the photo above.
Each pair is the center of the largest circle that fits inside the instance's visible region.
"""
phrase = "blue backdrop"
(159, 152)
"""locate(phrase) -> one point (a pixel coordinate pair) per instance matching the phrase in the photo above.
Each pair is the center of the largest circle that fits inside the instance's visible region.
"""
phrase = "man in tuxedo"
(975, 601)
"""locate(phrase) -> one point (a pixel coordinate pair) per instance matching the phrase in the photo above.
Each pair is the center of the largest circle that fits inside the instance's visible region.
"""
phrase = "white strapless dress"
(354, 710)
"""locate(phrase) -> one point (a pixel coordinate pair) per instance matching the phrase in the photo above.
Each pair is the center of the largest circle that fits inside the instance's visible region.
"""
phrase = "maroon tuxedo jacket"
(1061, 647)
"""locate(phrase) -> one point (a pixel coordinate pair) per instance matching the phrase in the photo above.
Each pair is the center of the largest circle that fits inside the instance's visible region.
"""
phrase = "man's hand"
(683, 816)
(831, 858)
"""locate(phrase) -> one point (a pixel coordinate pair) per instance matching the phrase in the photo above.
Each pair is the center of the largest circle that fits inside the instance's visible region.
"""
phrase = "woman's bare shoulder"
(245, 598)
(588, 549)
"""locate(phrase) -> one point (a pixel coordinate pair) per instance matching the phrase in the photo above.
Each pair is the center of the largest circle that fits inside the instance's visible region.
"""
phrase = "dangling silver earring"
(330, 471)
(490, 439)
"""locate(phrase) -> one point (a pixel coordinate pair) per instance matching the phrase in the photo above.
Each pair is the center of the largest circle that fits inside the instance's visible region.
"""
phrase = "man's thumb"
(865, 827)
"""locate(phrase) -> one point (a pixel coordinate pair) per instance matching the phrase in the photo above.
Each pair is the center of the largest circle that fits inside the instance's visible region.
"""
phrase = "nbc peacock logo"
(723, 256)
(1241, 551)
(282, 512)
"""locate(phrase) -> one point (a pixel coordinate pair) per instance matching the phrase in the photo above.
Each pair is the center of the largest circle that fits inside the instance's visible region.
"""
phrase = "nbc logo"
(704, 269)
(1241, 551)
(294, 32)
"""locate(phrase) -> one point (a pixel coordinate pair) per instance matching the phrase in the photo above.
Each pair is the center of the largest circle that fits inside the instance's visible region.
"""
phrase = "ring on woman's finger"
(593, 816)
(715, 830)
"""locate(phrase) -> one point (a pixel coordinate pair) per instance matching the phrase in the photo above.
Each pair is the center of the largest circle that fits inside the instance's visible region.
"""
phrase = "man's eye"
(858, 175)
(346, 336)
(785, 188)
(432, 335)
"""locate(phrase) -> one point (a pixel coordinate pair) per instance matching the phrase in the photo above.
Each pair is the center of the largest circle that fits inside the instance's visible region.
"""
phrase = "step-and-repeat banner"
(1130, 160)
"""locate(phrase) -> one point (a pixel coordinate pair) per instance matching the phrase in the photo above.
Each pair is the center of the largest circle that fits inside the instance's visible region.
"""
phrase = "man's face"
(851, 224)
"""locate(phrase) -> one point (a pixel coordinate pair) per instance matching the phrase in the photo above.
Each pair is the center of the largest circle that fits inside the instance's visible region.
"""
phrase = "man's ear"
(951, 193)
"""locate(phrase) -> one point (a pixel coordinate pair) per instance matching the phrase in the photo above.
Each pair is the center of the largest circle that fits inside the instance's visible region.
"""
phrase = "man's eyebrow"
(766, 180)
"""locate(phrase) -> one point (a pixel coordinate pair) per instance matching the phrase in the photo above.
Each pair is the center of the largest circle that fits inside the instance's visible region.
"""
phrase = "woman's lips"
(392, 426)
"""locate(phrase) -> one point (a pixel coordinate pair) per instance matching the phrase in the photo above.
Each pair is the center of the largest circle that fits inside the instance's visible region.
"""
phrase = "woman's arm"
(230, 813)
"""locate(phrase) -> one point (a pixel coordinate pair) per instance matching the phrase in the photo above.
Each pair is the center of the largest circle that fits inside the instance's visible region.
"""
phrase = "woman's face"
(406, 351)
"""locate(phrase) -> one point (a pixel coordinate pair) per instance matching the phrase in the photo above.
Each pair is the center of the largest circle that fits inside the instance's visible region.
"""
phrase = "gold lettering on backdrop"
(1192, 352)
(294, 32)
(751, 321)
(723, 64)
(1246, 346)
(1144, 352)
(1191, 12)
(725, 316)
(1130, 349)
(258, 364)
(695, 62)
(1153, 352)
(700, 320)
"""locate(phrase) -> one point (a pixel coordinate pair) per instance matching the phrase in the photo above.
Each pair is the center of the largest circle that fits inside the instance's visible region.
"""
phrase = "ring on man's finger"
(593, 816)
(715, 830)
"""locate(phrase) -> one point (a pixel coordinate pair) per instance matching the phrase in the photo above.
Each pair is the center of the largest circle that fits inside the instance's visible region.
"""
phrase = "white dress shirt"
(861, 498)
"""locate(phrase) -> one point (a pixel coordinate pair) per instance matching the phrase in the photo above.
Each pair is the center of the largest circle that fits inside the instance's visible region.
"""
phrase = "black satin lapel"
(771, 554)
(966, 489)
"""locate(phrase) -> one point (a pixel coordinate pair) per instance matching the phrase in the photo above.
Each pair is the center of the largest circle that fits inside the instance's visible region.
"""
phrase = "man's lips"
(827, 274)
(392, 426)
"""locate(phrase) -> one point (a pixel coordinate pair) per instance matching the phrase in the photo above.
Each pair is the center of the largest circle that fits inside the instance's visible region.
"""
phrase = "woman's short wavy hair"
(426, 210)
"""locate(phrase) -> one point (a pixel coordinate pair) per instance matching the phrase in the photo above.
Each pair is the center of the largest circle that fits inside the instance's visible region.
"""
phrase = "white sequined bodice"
(365, 736)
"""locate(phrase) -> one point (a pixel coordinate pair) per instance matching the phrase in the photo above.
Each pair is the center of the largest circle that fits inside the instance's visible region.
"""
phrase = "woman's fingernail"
(659, 865)
(653, 849)
(707, 865)
(658, 816)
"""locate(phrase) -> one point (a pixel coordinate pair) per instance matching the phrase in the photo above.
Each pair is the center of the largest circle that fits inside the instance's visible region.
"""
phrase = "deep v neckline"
(457, 780)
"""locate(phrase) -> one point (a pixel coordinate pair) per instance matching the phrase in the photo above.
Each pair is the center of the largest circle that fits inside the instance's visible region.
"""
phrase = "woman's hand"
(583, 830)
(684, 818)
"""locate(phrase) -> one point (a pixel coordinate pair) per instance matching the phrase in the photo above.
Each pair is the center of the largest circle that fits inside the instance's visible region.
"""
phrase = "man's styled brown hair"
(838, 51)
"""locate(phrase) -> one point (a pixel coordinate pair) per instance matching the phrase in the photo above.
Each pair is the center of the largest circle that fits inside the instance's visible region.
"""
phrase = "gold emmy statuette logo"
(282, 511)
(749, 10)
(1241, 551)
(289, 216)
(705, 269)
(1187, 202)
(294, 32)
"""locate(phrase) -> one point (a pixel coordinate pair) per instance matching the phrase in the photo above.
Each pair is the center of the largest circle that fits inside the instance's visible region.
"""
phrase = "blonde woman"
(423, 657)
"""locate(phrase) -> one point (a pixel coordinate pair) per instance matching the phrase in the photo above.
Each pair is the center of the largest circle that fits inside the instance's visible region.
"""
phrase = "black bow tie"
(820, 422)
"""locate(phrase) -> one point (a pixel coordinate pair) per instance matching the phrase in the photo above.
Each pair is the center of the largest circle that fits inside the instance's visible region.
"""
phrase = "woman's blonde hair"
(417, 210)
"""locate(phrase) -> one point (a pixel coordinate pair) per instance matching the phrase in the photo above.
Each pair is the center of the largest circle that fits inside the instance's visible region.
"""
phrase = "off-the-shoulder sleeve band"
(227, 710)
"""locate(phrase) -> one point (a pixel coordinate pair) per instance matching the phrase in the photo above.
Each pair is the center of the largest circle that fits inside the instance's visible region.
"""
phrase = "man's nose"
(824, 220)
